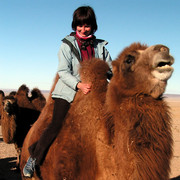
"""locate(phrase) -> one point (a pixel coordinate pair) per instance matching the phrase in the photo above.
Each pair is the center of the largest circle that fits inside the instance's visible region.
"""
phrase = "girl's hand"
(85, 88)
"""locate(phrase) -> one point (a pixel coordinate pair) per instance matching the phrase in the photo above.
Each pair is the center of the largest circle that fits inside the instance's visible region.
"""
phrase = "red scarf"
(86, 46)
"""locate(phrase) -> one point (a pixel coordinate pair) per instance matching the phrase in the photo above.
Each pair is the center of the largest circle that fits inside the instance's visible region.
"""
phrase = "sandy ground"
(174, 103)
(8, 169)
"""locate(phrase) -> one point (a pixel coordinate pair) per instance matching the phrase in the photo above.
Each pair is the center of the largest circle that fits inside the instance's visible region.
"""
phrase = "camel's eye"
(130, 59)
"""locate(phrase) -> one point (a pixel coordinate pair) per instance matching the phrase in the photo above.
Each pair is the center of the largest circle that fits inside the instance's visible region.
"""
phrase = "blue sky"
(31, 33)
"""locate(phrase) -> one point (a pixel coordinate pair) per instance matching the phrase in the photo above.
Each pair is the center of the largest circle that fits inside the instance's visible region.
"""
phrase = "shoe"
(29, 168)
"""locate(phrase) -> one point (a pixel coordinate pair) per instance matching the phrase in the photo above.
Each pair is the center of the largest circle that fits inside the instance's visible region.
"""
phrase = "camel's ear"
(115, 67)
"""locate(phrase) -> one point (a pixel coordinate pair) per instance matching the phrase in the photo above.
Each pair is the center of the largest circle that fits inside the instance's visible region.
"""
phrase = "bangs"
(84, 20)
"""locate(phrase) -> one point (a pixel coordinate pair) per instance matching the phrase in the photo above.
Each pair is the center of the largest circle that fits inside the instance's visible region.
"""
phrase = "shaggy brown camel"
(19, 112)
(1, 100)
(2, 95)
(120, 130)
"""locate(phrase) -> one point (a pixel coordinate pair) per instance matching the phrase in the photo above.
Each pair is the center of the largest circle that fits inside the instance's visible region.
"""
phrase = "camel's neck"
(142, 137)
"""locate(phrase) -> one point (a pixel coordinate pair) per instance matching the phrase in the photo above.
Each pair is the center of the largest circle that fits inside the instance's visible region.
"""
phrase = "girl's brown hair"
(84, 15)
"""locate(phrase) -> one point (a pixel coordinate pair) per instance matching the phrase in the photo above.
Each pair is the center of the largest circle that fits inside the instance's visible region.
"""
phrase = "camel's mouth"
(163, 69)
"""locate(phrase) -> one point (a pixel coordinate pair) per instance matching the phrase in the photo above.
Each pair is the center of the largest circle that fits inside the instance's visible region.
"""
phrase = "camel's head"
(10, 105)
(143, 70)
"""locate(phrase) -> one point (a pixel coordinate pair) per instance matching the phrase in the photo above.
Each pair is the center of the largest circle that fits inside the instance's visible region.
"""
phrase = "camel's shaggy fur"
(1, 100)
(120, 130)
(2, 95)
(19, 112)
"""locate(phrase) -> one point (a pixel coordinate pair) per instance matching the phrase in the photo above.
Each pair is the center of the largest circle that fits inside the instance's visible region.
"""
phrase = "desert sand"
(8, 169)
(174, 103)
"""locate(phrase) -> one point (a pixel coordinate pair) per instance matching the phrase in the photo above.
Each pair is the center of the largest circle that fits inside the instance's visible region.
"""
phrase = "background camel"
(2, 95)
(19, 112)
(120, 130)
(1, 100)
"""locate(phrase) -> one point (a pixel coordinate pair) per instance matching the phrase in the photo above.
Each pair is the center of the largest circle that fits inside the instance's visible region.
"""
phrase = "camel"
(12, 93)
(19, 112)
(2, 95)
(1, 100)
(120, 130)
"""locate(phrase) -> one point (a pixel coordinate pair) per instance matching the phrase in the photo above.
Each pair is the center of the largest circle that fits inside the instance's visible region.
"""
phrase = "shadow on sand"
(175, 178)
(8, 170)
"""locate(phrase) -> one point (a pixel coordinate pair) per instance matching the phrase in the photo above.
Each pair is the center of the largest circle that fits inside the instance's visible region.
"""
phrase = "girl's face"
(84, 30)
